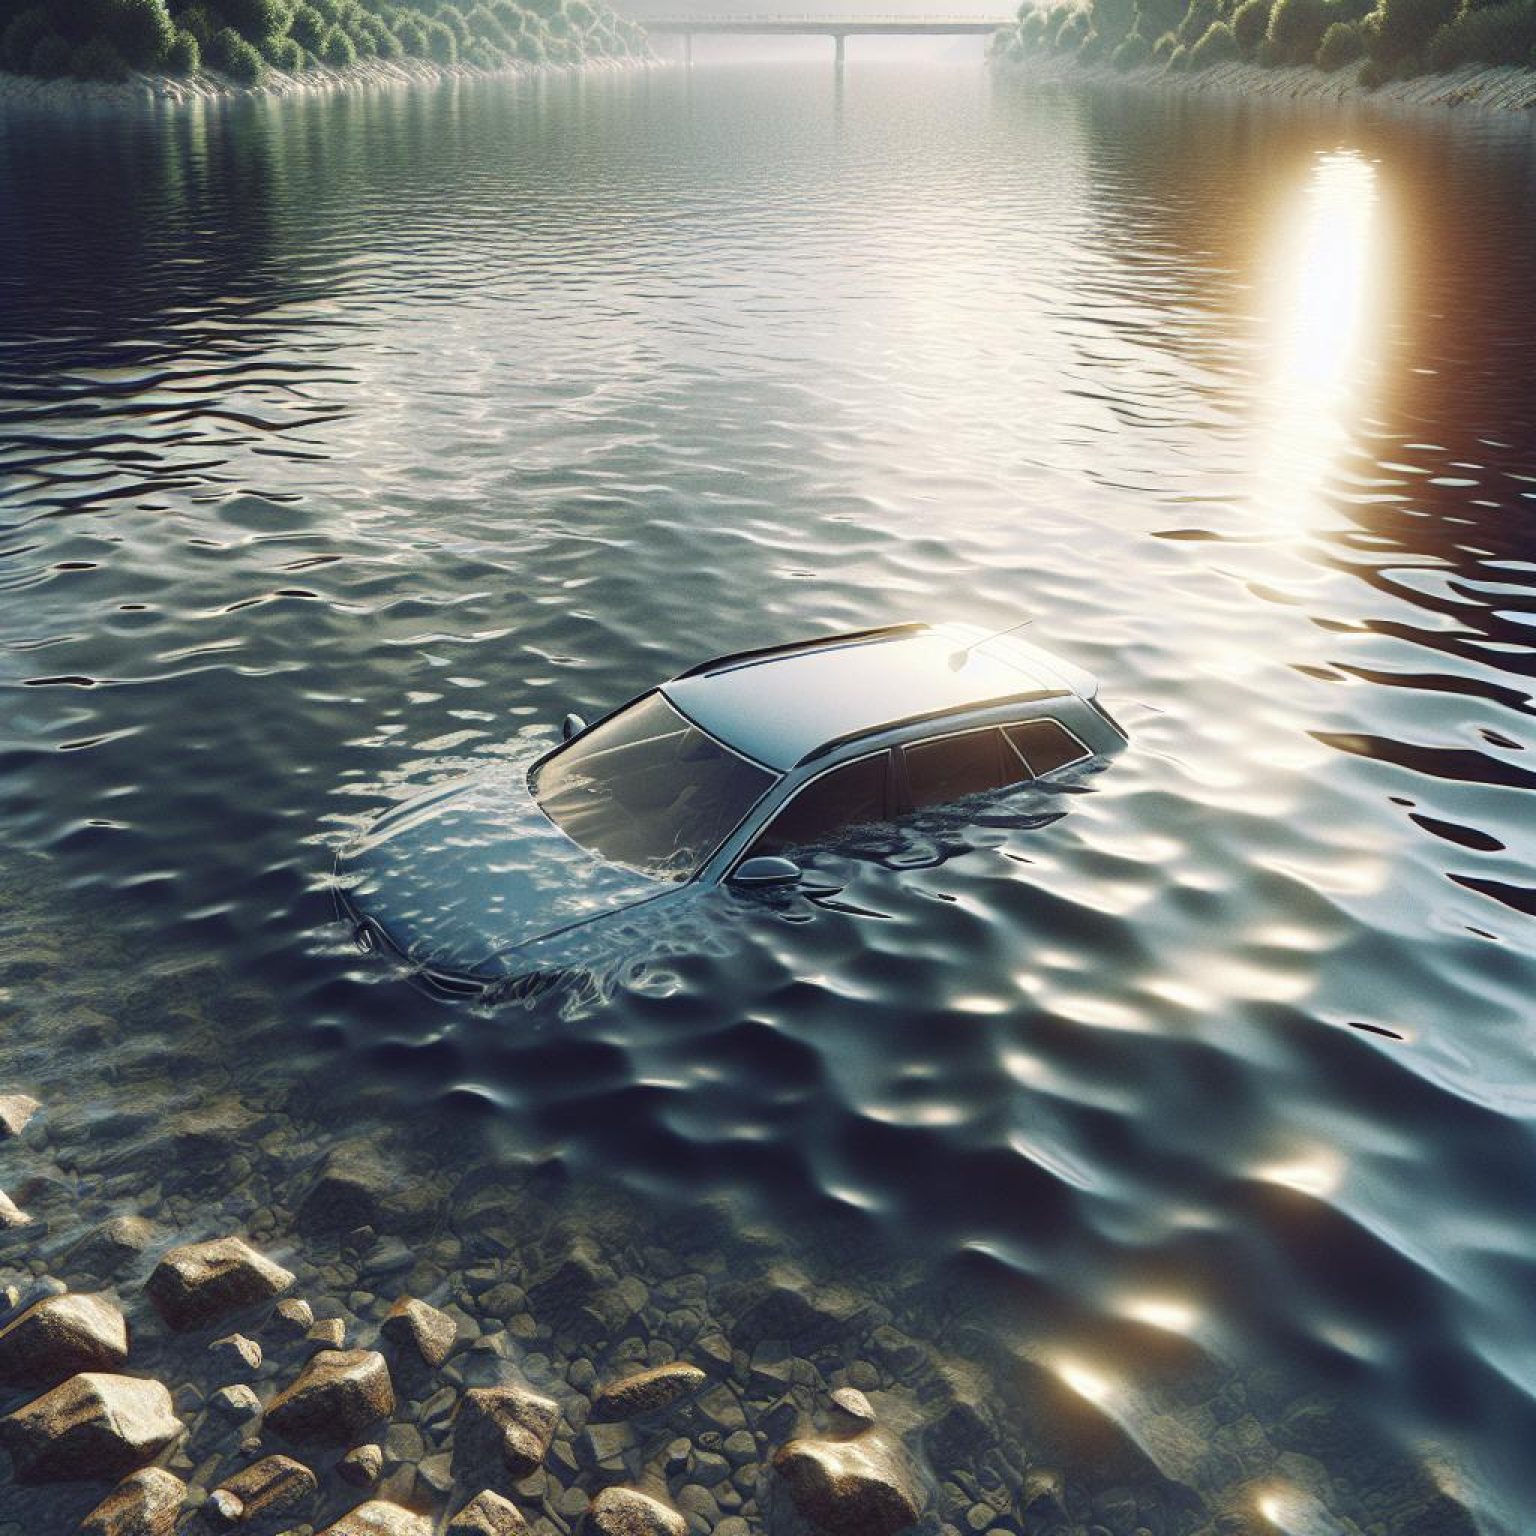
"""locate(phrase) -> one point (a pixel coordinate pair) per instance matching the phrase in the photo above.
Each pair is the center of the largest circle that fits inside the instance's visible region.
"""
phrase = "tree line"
(107, 39)
(1389, 39)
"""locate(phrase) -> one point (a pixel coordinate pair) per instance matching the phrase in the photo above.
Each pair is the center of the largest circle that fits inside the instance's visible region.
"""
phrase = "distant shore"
(205, 85)
(1501, 88)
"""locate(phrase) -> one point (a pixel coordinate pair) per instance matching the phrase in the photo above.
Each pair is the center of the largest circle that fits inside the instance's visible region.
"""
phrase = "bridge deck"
(826, 26)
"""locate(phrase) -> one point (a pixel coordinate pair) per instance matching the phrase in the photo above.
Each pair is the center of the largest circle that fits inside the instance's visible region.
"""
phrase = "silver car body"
(470, 880)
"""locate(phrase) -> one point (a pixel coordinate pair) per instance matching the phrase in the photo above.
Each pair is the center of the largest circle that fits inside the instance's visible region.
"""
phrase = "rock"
(513, 1420)
(235, 1352)
(379, 1518)
(202, 1282)
(605, 1447)
(223, 1509)
(269, 1486)
(414, 1324)
(488, 1514)
(238, 1404)
(93, 1426)
(108, 1249)
(292, 1318)
(362, 1466)
(16, 1109)
(785, 1305)
(60, 1336)
(336, 1396)
(857, 1487)
(144, 1504)
(357, 1188)
(11, 1214)
(647, 1391)
(850, 1411)
(628, 1512)
(328, 1333)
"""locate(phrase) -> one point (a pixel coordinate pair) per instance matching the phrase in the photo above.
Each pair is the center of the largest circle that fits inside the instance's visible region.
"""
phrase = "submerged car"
(721, 776)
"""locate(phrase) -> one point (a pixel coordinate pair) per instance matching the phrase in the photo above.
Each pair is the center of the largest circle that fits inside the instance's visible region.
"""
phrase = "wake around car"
(721, 776)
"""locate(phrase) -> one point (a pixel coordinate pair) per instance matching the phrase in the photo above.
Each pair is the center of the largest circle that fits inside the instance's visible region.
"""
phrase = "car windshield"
(648, 789)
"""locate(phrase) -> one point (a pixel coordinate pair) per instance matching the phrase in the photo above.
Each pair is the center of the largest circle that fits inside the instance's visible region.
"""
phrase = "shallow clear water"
(347, 443)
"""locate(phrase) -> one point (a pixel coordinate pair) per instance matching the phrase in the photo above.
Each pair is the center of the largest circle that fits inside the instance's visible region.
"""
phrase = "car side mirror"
(766, 869)
(572, 725)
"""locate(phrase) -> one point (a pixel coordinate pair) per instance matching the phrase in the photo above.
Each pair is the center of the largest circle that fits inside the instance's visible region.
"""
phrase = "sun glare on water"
(1327, 297)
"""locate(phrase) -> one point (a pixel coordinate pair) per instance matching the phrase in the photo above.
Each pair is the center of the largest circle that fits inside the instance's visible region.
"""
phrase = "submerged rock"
(379, 1518)
(488, 1514)
(60, 1336)
(849, 1410)
(11, 1214)
(628, 1512)
(292, 1318)
(514, 1421)
(268, 1487)
(93, 1426)
(786, 1305)
(237, 1403)
(361, 1466)
(144, 1504)
(356, 1187)
(647, 1391)
(328, 1333)
(336, 1396)
(16, 1109)
(857, 1487)
(108, 1249)
(414, 1324)
(202, 1282)
(235, 1352)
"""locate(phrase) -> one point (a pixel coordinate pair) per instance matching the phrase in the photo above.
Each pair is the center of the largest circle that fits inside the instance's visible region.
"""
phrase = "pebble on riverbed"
(16, 1110)
(488, 1514)
(11, 1214)
(378, 1517)
(415, 1324)
(647, 1391)
(513, 1421)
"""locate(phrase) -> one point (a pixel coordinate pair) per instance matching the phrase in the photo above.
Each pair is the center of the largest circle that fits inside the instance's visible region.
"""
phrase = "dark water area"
(347, 443)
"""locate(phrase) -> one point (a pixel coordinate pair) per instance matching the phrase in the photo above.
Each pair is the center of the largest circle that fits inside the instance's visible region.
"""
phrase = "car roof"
(780, 705)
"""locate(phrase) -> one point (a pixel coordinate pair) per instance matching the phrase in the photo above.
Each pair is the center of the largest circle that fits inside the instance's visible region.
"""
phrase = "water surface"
(347, 443)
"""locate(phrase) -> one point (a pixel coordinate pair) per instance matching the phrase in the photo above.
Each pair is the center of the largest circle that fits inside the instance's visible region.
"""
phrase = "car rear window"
(953, 767)
(1045, 745)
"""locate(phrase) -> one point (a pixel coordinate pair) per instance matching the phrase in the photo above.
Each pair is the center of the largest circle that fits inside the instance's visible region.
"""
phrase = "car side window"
(953, 767)
(1044, 745)
(854, 795)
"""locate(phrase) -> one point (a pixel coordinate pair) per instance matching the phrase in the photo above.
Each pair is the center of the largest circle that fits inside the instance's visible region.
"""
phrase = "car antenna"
(959, 658)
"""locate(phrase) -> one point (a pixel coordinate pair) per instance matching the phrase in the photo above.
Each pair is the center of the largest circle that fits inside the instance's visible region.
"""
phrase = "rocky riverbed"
(364, 1349)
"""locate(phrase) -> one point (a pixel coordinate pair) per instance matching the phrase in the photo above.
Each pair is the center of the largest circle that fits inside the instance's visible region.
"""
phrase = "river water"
(349, 442)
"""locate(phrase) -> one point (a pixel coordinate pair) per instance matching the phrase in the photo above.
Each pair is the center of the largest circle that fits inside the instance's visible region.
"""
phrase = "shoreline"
(204, 86)
(1489, 88)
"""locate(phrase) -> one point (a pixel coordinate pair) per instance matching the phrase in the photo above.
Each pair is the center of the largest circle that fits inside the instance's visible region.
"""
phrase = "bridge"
(839, 28)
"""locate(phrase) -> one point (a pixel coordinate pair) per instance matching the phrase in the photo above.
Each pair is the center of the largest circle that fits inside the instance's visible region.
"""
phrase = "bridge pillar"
(688, 49)
(837, 57)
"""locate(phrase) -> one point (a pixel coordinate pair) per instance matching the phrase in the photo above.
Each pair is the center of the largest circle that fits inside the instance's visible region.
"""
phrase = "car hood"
(461, 873)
